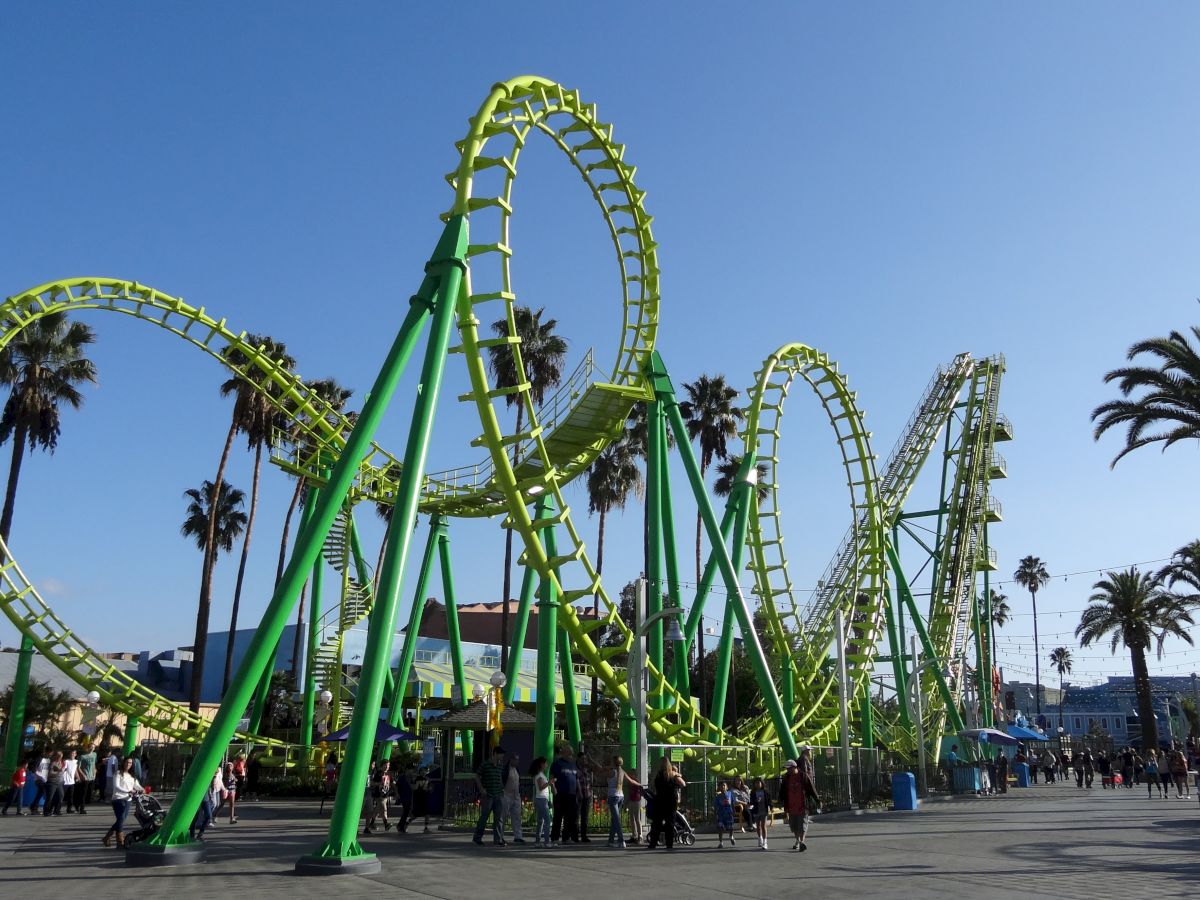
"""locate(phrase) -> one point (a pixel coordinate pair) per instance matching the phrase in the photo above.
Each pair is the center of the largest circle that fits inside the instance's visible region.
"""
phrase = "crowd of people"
(563, 801)
(403, 790)
(1158, 770)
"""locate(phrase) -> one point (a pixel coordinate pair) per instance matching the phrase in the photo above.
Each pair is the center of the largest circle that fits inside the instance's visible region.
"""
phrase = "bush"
(291, 786)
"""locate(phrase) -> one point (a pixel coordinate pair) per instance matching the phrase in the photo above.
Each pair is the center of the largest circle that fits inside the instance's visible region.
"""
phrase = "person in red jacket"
(795, 790)
(16, 788)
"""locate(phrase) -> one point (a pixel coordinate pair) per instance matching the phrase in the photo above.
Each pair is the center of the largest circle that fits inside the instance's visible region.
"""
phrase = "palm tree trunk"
(379, 562)
(506, 604)
(287, 527)
(596, 611)
(1037, 659)
(1145, 700)
(296, 642)
(20, 435)
(237, 590)
(200, 645)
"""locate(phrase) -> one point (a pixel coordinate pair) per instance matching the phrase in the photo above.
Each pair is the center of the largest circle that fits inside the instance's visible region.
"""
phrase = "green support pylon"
(543, 729)
(452, 631)
(899, 673)
(738, 510)
(264, 682)
(927, 648)
(570, 694)
(171, 844)
(655, 437)
(704, 589)
(516, 647)
(868, 717)
(341, 851)
(131, 735)
(408, 650)
(679, 649)
(314, 642)
(16, 710)
(665, 394)
(628, 734)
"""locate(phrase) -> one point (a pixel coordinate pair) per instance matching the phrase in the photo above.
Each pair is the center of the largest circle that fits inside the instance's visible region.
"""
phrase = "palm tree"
(1001, 613)
(208, 505)
(543, 354)
(1184, 568)
(44, 365)
(1131, 608)
(329, 391)
(712, 419)
(1171, 399)
(611, 478)
(1031, 574)
(255, 417)
(1060, 658)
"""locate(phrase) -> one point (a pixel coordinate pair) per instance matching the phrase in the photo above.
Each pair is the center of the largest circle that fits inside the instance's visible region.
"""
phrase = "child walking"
(1152, 780)
(760, 810)
(541, 803)
(724, 805)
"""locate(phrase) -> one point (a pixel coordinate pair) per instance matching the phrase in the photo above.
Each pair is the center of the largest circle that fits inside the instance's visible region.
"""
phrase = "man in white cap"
(795, 790)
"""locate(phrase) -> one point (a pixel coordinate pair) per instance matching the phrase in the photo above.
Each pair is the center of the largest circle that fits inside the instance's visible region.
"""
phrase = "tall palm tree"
(207, 505)
(543, 354)
(1031, 574)
(1171, 398)
(332, 393)
(255, 417)
(1130, 608)
(611, 478)
(1060, 658)
(711, 419)
(1184, 568)
(44, 365)
(1001, 613)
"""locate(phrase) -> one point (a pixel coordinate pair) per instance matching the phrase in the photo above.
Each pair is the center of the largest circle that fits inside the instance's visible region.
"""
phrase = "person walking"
(402, 788)
(70, 769)
(1152, 780)
(85, 775)
(112, 765)
(511, 800)
(1089, 769)
(760, 811)
(54, 786)
(124, 786)
(1127, 767)
(1049, 764)
(1002, 771)
(636, 802)
(564, 781)
(541, 803)
(41, 773)
(204, 815)
(1178, 767)
(741, 804)
(16, 789)
(583, 794)
(489, 780)
(723, 803)
(667, 782)
(795, 791)
(617, 779)
(1104, 767)
(421, 798)
(381, 790)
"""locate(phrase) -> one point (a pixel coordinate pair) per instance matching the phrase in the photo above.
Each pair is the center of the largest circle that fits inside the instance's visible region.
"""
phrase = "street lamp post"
(635, 675)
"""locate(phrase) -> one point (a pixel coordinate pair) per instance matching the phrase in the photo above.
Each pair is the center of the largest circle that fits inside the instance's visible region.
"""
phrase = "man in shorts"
(795, 791)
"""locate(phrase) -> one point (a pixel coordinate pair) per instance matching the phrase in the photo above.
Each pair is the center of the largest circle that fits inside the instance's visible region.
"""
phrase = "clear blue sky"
(890, 183)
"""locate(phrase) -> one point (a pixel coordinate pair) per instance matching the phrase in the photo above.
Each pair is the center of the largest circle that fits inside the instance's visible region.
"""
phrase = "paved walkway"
(1044, 842)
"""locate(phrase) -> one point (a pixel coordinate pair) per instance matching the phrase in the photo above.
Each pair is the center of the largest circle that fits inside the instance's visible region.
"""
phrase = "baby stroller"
(684, 833)
(149, 814)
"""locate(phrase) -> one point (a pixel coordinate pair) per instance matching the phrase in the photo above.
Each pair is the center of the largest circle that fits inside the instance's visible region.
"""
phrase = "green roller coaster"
(520, 484)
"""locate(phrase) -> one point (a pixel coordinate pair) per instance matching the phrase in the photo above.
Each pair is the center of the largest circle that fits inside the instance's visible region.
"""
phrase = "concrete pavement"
(1049, 841)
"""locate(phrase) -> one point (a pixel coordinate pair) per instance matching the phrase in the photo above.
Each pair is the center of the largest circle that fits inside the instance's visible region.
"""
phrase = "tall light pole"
(636, 674)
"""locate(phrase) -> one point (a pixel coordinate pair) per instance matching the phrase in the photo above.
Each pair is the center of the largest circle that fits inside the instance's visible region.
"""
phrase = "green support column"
(543, 729)
(16, 711)
(516, 640)
(452, 632)
(696, 613)
(901, 631)
(310, 674)
(341, 851)
(665, 393)
(898, 671)
(868, 718)
(171, 844)
(680, 675)
(738, 509)
(789, 688)
(264, 682)
(927, 648)
(655, 437)
(570, 695)
(131, 735)
(408, 651)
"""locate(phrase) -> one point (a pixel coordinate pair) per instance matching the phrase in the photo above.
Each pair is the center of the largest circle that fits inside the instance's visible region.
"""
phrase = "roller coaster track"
(559, 440)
